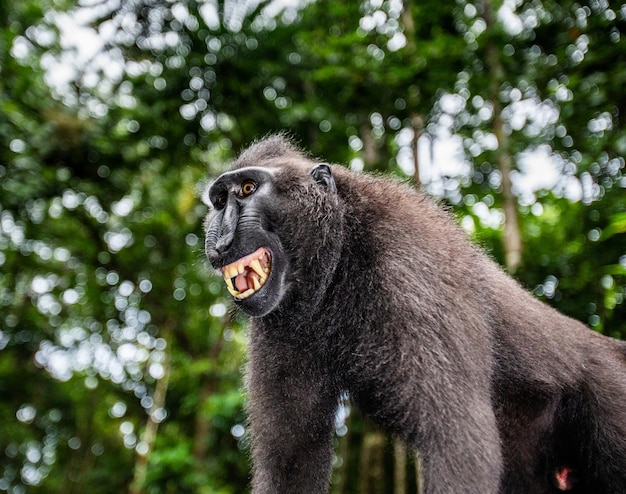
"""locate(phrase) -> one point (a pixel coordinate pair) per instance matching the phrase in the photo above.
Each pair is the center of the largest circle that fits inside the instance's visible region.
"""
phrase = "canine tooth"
(255, 283)
(256, 265)
(230, 288)
(234, 293)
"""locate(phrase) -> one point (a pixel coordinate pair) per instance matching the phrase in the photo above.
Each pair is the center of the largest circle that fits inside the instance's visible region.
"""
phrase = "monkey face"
(241, 239)
(253, 239)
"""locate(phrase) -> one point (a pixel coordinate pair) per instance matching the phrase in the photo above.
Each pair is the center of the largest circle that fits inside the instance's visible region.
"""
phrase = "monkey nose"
(224, 241)
(212, 255)
(223, 244)
(217, 250)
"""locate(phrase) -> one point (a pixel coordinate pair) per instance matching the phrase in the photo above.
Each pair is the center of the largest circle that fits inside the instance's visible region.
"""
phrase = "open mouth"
(246, 276)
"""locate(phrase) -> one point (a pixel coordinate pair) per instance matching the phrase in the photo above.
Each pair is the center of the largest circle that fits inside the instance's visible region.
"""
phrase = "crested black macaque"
(361, 284)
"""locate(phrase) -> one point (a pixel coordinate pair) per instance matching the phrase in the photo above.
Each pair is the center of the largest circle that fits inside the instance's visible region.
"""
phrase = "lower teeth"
(246, 294)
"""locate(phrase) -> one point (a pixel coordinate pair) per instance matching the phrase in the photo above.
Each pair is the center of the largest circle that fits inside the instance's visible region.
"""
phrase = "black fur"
(381, 295)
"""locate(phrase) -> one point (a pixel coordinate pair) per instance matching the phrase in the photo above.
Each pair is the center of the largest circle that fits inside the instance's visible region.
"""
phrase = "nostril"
(220, 233)
(223, 243)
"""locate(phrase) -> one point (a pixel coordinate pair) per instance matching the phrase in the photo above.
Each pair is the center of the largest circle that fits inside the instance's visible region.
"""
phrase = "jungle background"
(120, 358)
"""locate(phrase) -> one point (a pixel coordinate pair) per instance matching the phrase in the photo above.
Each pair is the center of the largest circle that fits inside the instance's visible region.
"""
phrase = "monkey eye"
(221, 199)
(248, 187)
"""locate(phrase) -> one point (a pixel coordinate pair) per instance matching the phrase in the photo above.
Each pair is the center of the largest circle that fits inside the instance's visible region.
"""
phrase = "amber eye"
(247, 188)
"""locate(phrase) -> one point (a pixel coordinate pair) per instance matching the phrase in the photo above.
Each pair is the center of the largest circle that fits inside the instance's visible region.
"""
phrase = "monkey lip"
(247, 275)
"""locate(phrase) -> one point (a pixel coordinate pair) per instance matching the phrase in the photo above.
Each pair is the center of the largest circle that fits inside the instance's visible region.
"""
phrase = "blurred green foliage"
(120, 358)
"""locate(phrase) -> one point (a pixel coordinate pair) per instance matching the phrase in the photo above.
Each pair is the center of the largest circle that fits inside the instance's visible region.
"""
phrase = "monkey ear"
(324, 177)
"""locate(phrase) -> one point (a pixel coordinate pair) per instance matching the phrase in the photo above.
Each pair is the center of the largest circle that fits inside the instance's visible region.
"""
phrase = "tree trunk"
(504, 161)
(371, 473)
(399, 467)
(417, 123)
(419, 474)
(208, 383)
(343, 451)
(202, 425)
(370, 151)
(152, 425)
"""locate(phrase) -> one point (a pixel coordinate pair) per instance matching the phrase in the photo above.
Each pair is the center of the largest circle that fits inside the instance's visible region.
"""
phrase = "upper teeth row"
(235, 269)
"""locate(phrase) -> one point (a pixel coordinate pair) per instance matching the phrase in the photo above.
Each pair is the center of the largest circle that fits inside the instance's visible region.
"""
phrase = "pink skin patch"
(565, 478)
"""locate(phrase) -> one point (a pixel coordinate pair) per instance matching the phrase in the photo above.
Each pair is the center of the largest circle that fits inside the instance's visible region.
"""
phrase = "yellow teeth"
(256, 265)
(230, 271)
(249, 271)
(229, 285)
(246, 294)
